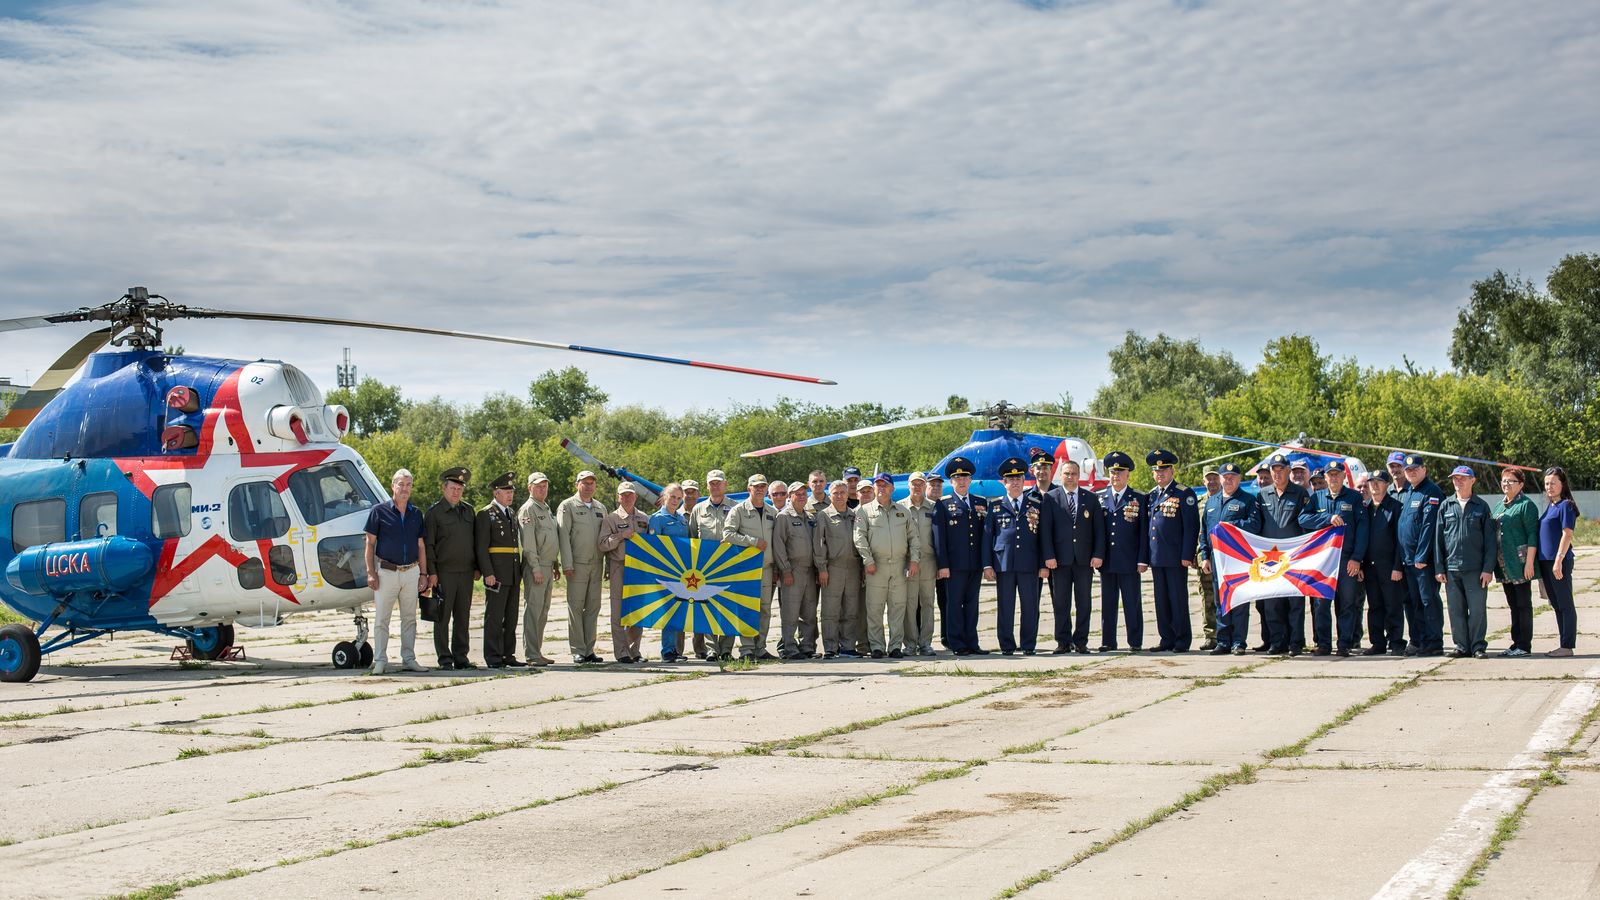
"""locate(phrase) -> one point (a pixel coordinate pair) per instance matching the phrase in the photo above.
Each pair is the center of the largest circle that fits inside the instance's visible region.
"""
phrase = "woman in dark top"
(1555, 556)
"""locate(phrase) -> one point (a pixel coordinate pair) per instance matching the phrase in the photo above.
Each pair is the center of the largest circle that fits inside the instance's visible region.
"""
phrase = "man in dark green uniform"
(500, 561)
(453, 556)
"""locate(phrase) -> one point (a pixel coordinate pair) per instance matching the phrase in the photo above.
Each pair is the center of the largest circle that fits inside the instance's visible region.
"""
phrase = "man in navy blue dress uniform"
(958, 546)
(1338, 504)
(1127, 554)
(1241, 509)
(1078, 536)
(1174, 517)
(1014, 556)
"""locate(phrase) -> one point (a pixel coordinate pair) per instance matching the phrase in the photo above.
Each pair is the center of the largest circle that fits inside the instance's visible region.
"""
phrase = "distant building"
(15, 390)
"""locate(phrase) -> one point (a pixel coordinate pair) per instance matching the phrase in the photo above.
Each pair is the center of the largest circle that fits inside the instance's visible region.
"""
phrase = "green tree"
(504, 420)
(374, 406)
(562, 395)
(1550, 340)
(432, 421)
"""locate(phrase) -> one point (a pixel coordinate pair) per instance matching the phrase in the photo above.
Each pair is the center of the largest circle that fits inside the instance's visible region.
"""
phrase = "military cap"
(934, 476)
(1335, 466)
(537, 477)
(1037, 453)
(852, 472)
(959, 465)
(504, 482)
(715, 475)
(460, 475)
(627, 488)
(1383, 475)
(1209, 470)
(1116, 459)
(916, 476)
(1276, 460)
(584, 474)
(1230, 468)
(796, 486)
(689, 484)
(1397, 456)
(755, 479)
(1463, 470)
(1160, 458)
(1412, 461)
(1013, 467)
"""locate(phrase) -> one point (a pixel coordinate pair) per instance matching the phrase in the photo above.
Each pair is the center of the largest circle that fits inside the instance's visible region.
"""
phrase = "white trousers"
(392, 587)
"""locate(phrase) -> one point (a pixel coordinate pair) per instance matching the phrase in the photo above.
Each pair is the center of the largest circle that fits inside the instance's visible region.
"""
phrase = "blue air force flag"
(686, 584)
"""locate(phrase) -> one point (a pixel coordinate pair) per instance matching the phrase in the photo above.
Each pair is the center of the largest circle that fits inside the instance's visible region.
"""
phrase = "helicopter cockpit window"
(329, 491)
(171, 506)
(97, 515)
(38, 522)
(256, 512)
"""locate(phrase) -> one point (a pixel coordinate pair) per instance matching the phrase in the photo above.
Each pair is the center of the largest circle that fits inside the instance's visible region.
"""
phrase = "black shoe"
(1105, 648)
(1263, 648)
(466, 664)
(1412, 651)
(877, 654)
(447, 664)
(1007, 652)
(516, 664)
(1293, 652)
(1163, 648)
(962, 652)
(1208, 646)
(1480, 654)
(766, 656)
(896, 654)
(1135, 649)
(1321, 651)
(1431, 653)
(1399, 651)
(1456, 653)
(979, 651)
(1220, 651)
(830, 654)
(1030, 653)
(710, 656)
(1344, 651)
(1278, 651)
(1372, 651)
(596, 658)
(1081, 648)
(849, 654)
(1060, 649)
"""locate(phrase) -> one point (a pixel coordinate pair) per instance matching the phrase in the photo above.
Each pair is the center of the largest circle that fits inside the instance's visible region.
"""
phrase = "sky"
(915, 199)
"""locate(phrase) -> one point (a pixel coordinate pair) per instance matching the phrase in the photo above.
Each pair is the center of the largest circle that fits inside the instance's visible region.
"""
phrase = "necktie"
(1072, 505)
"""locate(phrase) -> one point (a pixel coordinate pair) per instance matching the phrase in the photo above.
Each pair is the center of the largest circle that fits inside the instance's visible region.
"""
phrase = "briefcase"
(428, 605)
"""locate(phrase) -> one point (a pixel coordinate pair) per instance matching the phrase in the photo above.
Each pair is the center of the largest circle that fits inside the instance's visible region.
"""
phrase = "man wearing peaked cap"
(452, 553)
(852, 479)
(1173, 532)
(1016, 549)
(1419, 519)
(1397, 474)
(958, 552)
(750, 524)
(1127, 554)
(578, 521)
(500, 561)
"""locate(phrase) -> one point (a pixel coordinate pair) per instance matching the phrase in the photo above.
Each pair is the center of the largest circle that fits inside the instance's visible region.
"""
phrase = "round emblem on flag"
(1269, 565)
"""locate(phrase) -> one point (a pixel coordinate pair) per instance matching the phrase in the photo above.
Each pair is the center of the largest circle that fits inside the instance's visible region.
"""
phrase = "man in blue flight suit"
(1127, 554)
(1015, 551)
(1174, 525)
(958, 546)
(1282, 501)
(1419, 516)
(1383, 572)
(1239, 508)
(1337, 504)
(1078, 538)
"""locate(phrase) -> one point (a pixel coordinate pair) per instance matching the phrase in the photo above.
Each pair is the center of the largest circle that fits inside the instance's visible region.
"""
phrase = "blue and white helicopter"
(183, 495)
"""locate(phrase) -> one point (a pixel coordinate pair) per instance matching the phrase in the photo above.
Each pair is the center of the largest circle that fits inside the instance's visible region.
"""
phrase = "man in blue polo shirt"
(396, 561)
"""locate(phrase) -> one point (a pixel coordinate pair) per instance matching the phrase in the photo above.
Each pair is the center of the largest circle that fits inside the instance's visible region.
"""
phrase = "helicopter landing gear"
(19, 653)
(350, 654)
(212, 642)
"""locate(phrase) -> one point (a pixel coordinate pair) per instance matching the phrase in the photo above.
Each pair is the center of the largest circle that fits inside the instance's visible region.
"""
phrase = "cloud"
(916, 199)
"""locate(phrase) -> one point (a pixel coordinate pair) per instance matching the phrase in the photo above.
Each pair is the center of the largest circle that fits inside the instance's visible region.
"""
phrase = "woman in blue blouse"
(670, 521)
(1555, 556)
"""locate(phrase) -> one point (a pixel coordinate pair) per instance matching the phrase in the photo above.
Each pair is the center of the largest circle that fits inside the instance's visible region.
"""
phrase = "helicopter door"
(257, 521)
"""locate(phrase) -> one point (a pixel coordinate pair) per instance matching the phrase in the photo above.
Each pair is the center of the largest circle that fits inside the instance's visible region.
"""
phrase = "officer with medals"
(1016, 546)
(1078, 537)
(1174, 527)
(1127, 555)
(1339, 504)
(1282, 501)
(1419, 517)
(500, 560)
(1232, 505)
(958, 549)
(453, 555)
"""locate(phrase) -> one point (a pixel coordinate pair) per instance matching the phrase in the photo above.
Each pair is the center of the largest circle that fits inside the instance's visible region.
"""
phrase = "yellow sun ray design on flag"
(686, 584)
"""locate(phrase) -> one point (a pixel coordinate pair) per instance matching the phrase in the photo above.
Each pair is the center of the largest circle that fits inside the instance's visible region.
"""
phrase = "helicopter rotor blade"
(646, 490)
(871, 429)
(55, 378)
(201, 313)
(1455, 456)
(1216, 459)
(22, 323)
(1150, 425)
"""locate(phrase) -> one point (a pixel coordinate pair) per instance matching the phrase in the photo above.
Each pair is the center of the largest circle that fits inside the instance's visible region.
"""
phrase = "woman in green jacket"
(1518, 520)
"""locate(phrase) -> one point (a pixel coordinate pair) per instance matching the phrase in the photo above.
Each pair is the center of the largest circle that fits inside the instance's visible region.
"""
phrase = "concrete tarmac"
(1111, 774)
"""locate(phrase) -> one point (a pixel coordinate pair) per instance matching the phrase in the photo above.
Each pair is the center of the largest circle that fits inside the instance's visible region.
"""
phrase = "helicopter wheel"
(345, 655)
(366, 654)
(211, 642)
(19, 653)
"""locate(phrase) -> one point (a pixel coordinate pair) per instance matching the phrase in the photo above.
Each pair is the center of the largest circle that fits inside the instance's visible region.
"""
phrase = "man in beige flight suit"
(838, 572)
(750, 524)
(920, 589)
(708, 522)
(541, 566)
(890, 550)
(865, 494)
(578, 521)
(797, 573)
(615, 529)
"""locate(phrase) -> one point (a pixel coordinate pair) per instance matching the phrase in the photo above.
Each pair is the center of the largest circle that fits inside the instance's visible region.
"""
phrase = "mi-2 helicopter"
(182, 494)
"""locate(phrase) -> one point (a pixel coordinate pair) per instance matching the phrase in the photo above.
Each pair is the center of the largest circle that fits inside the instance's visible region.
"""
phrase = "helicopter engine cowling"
(109, 565)
(288, 423)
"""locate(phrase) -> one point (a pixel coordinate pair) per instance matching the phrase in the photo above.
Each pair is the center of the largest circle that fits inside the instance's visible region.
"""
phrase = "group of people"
(856, 573)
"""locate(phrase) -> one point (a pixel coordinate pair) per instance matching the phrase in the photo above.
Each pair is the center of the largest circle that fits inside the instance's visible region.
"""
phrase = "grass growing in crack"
(1211, 787)
(1298, 748)
(766, 748)
(171, 888)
